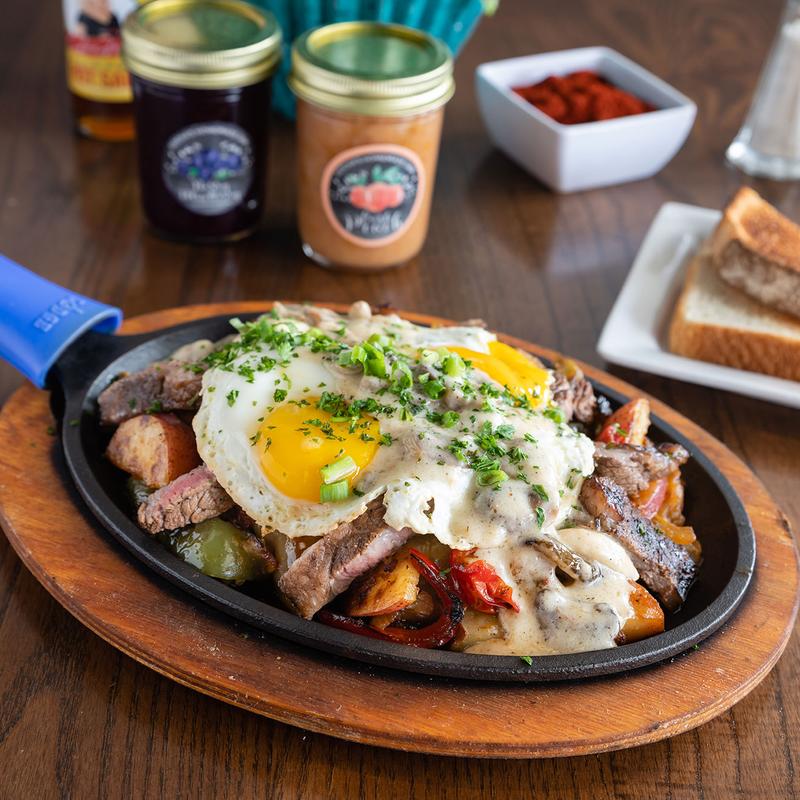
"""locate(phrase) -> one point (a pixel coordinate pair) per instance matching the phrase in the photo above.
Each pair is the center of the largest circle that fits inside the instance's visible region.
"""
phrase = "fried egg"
(266, 429)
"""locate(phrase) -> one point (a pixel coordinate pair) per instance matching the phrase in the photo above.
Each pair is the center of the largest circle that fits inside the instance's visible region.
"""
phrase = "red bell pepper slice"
(479, 586)
(628, 424)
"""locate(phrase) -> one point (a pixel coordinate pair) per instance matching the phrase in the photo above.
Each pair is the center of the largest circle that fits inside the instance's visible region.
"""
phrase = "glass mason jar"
(201, 73)
(370, 107)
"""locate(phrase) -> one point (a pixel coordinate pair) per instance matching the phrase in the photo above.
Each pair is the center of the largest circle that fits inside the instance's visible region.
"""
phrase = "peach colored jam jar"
(370, 104)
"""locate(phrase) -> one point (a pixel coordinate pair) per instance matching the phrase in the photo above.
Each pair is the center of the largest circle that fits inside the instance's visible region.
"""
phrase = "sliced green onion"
(429, 357)
(453, 365)
(379, 340)
(334, 492)
(375, 363)
(494, 477)
(338, 470)
(402, 375)
(434, 389)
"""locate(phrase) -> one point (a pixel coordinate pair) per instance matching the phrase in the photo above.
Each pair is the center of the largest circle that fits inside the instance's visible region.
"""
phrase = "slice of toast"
(714, 322)
(757, 249)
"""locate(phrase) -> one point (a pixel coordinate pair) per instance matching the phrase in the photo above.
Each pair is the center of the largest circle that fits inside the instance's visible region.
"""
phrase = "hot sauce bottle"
(98, 82)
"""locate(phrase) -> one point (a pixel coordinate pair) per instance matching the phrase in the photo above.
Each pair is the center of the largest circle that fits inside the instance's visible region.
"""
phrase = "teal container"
(452, 21)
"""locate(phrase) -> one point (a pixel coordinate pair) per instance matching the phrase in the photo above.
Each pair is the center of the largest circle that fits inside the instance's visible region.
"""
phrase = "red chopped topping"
(582, 96)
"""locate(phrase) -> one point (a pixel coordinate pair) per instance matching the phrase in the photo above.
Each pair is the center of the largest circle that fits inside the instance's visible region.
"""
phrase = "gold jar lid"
(372, 68)
(201, 44)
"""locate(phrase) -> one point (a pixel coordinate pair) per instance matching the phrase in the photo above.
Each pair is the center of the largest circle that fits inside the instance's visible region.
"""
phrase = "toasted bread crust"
(761, 229)
(756, 351)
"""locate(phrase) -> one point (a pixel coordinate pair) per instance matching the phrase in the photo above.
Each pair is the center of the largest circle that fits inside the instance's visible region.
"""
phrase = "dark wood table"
(80, 720)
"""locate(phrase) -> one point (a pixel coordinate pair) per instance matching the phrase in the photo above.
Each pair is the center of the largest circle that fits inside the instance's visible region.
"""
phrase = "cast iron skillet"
(87, 359)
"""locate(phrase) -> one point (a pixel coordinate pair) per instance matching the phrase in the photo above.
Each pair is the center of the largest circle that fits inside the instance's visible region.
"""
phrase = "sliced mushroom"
(567, 560)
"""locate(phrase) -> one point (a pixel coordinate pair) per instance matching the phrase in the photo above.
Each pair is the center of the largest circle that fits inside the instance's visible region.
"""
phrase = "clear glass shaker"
(768, 144)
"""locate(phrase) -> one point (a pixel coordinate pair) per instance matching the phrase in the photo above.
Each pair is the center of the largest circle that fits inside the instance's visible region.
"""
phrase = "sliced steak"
(189, 499)
(573, 393)
(665, 568)
(163, 386)
(633, 467)
(333, 562)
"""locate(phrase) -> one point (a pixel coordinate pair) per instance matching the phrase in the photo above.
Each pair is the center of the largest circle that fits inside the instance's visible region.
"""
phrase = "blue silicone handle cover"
(39, 320)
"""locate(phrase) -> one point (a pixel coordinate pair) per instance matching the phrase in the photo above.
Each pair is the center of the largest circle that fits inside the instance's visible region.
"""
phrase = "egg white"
(420, 492)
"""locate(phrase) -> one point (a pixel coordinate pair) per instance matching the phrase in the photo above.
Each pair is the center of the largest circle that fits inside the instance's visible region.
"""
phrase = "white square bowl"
(571, 158)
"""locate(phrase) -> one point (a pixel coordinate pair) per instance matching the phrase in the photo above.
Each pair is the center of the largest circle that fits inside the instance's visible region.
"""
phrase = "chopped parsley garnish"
(539, 489)
(573, 473)
(516, 455)
(279, 395)
(448, 419)
(540, 516)
(504, 431)
(231, 396)
(527, 659)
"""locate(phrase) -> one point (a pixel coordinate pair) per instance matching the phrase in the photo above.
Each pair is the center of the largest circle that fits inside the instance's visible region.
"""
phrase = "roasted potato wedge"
(391, 586)
(155, 448)
(647, 619)
(419, 612)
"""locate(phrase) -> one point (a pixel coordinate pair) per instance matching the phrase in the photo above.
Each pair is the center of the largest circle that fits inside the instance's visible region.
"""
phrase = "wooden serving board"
(140, 614)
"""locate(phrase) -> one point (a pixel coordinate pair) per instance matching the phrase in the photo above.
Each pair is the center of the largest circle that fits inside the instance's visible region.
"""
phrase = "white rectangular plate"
(635, 332)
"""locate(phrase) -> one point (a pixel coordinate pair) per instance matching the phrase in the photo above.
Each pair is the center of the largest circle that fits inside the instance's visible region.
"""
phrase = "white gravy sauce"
(558, 618)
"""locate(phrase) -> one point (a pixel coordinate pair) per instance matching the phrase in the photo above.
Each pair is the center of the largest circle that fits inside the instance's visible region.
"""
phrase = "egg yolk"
(509, 367)
(296, 442)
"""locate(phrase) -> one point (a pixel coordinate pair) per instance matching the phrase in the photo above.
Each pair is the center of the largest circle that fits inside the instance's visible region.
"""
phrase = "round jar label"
(208, 167)
(371, 194)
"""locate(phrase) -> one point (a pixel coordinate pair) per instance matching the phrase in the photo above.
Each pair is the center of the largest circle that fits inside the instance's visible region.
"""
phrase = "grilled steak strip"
(574, 395)
(333, 562)
(163, 386)
(191, 498)
(665, 568)
(633, 467)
